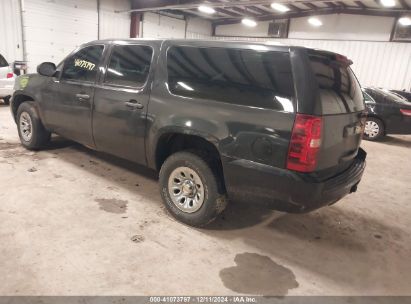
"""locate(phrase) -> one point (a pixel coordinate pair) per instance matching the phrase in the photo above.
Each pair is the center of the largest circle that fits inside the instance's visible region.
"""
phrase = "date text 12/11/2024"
(204, 299)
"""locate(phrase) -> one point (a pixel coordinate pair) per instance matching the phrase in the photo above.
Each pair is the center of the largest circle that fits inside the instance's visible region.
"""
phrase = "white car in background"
(7, 78)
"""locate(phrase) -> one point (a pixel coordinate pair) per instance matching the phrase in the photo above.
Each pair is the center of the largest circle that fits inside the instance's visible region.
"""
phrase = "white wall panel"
(53, 28)
(158, 26)
(11, 44)
(343, 27)
(383, 64)
(335, 27)
(198, 28)
(114, 25)
(261, 30)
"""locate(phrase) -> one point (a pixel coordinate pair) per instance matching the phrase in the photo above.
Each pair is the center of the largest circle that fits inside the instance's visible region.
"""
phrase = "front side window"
(129, 65)
(244, 77)
(83, 65)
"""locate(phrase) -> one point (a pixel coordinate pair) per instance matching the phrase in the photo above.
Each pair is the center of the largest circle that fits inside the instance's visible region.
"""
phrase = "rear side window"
(83, 65)
(339, 89)
(244, 77)
(3, 62)
(129, 65)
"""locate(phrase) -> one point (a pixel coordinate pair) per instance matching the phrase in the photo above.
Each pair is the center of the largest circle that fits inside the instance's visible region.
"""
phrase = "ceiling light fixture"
(206, 9)
(387, 3)
(248, 22)
(315, 21)
(405, 21)
(279, 7)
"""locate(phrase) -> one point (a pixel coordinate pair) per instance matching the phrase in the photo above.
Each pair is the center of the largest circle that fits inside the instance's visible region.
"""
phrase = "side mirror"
(47, 69)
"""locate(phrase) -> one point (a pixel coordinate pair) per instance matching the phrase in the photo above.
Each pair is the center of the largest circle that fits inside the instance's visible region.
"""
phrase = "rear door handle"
(82, 97)
(134, 104)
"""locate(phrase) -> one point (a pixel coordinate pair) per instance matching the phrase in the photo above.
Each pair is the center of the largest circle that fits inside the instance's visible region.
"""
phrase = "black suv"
(275, 125)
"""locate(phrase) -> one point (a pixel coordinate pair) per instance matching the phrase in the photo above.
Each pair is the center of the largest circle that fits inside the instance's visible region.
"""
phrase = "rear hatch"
(341, 107)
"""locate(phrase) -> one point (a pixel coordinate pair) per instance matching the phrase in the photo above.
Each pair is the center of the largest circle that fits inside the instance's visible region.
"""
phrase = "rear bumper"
(287, 190)
(7, 87)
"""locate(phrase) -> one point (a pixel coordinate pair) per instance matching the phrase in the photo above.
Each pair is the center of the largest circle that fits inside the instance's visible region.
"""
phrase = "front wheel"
(374, 129)
(32, 133)
(190, 189)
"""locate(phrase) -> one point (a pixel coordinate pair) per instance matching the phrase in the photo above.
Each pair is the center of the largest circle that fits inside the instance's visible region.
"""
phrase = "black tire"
(39, 135)
(6, 100)
(372, 136)
(215, 199)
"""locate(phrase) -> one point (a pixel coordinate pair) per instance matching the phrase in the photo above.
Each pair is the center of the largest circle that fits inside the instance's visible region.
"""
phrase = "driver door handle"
(134, 104)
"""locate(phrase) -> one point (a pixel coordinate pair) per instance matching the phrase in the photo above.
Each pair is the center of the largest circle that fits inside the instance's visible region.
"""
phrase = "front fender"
(28, 87)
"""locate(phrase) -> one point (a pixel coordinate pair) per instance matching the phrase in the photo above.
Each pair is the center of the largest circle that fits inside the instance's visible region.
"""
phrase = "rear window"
(339, 89)
(243, 77)
(3, 62)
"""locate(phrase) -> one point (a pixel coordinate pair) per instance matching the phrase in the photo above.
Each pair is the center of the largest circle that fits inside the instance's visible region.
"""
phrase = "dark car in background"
(388, 113)
(403, 93)
(276, 125)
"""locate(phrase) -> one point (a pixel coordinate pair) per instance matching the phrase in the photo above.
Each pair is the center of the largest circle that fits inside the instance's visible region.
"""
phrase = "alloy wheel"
(186, 189)
(26, 126)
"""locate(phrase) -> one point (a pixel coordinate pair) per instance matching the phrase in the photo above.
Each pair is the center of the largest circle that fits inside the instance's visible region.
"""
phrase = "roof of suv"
(215, 43)
(198, 41)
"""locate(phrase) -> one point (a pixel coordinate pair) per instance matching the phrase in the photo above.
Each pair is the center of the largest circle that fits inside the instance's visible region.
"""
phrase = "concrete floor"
(76, 222)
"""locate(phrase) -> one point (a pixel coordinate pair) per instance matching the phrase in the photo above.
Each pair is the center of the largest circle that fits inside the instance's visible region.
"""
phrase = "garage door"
(11, 46)
(53, 28)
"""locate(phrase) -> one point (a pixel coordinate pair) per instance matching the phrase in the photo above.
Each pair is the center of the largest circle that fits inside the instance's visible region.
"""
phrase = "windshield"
(339, 89)
(368, 98)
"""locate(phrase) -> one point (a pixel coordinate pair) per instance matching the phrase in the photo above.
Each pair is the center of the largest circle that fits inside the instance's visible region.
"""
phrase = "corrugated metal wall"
(198, 28)
(382, 64)
(11, 44)
(114, 25)
(159, 26)
(52, 29)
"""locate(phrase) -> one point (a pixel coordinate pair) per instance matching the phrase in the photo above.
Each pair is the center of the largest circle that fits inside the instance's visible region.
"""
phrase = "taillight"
(405, 112)
(305, 143)
(9, 75)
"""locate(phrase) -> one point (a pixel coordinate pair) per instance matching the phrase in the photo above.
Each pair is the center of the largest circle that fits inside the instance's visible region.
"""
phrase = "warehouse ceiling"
(232, 11)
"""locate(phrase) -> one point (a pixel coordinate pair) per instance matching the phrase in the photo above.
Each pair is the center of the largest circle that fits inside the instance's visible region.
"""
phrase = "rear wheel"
(374, 129)
(32, 133)
(190, 189)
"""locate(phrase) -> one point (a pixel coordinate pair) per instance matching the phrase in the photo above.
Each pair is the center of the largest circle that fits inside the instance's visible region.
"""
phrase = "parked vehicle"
(388, 113)
(7, 79)
(403, 93)
(275, 125)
